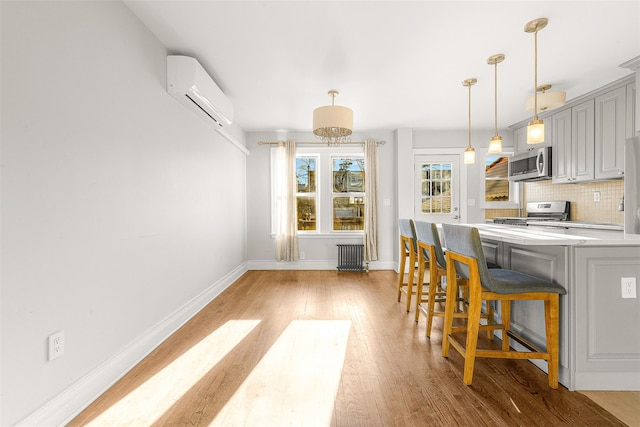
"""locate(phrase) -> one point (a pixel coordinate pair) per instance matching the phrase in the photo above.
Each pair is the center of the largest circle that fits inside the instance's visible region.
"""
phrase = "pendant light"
(535, 129)
(333, 124)
(469, 154)
(495, 143)
(546, 100)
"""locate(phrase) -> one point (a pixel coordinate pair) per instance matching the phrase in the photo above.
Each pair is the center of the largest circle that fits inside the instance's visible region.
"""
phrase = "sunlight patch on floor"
(296, 382)
(149, 401)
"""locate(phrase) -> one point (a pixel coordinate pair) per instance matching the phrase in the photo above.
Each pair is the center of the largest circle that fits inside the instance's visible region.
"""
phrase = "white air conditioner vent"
(190, 84)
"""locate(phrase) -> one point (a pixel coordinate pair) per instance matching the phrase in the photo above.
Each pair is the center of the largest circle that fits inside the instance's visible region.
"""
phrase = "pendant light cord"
(469, 145)
(535, 74)
(495, 98)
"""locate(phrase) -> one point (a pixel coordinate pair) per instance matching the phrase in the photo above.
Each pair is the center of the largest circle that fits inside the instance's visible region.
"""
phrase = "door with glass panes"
(437, 188)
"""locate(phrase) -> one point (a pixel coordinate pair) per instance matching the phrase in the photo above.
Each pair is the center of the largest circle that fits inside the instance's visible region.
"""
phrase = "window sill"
(336, 235)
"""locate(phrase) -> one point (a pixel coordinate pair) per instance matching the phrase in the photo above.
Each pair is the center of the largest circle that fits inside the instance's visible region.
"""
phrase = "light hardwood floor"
(326, 348)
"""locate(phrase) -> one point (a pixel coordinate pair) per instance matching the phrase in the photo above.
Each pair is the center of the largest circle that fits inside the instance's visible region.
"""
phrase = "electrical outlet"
(301, 255)
(56, 345)
(596, 196)
(628, 287)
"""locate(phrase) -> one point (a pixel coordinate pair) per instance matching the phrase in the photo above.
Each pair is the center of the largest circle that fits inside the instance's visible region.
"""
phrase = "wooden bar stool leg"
(451, 301)
(412, 270)
(419, 291)
(473, 325)
(490, 318)
(551, 308)
(506, 323)
(403, 260)
(433, 285)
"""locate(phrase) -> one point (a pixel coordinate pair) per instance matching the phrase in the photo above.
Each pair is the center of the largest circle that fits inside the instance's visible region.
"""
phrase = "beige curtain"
(371, 201)
(285, 189)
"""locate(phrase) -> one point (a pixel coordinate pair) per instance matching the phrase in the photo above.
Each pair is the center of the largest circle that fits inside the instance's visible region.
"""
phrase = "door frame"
(406, 181)
(456, 185)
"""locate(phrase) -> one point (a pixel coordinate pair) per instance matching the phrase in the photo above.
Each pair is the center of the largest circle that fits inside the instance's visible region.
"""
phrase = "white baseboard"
(63, 408)
(312, 265)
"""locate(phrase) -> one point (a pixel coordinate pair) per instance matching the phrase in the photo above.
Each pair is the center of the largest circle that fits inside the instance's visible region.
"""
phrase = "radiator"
(351, 257)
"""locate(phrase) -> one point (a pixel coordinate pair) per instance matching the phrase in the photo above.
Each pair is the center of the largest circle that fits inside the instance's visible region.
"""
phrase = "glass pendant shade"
(495, 144)
(469, 156)
(535, 132)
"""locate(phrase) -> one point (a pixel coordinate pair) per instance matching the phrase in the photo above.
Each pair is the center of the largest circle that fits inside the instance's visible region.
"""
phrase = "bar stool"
(465, 258)
(431, 255)
(408, 249)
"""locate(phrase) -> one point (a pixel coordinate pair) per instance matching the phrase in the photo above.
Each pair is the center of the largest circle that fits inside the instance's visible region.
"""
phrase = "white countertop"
(541, 236)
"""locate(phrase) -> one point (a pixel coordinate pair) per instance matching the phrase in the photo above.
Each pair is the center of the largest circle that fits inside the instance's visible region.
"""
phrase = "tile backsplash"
(581, 196)
(494, 213)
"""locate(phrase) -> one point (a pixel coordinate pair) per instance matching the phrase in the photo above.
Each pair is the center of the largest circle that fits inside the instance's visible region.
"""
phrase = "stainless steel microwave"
(534, 165)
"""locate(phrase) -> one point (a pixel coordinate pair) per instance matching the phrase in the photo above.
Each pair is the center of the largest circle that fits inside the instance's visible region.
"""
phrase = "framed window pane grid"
(436, 188)
(496, 187)
(348, 177)
(306, 197)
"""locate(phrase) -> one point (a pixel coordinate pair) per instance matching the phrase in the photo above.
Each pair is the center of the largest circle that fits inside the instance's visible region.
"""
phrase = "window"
(329, 190)
(498, 190)
(348, 193)
(436, 188)
(306, 195)
(496, 186)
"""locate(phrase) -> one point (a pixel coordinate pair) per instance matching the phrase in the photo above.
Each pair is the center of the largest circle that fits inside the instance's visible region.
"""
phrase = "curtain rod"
(317, 143)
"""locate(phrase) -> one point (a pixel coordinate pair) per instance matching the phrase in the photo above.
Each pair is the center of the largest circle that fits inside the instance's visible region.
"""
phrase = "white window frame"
(333, 195)
(324, 187)
(318, 193)
(514, 188)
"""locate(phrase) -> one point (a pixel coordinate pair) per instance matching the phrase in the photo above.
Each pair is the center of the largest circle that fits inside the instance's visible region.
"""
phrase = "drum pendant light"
(333, 124)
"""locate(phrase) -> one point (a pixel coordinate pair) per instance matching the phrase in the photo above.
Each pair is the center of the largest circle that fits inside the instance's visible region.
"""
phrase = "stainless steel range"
(537, 212)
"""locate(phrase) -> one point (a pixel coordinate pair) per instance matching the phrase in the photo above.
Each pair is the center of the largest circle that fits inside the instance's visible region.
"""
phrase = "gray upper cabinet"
(561, 155)
(632, 126)
(610, 133)
(520, 136)
(582, 141)
(573, 144)
(588, 134)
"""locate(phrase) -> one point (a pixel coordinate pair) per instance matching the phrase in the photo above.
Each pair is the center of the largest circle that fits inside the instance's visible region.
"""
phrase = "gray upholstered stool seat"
(509, 282)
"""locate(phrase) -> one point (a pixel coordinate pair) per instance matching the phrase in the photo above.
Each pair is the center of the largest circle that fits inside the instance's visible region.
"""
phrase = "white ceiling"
(396, 63)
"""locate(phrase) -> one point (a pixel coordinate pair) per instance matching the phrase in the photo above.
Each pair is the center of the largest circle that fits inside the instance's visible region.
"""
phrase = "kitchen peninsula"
(599, 330)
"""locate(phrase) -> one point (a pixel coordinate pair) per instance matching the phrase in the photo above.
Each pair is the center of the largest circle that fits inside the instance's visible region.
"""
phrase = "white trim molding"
(67, 405)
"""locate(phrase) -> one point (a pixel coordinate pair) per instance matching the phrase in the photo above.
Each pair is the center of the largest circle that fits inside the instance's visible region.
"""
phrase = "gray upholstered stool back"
(407, 229)
(427, 232)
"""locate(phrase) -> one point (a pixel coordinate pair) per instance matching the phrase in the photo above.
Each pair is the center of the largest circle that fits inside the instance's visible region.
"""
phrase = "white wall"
(320, 252)
(119, 206)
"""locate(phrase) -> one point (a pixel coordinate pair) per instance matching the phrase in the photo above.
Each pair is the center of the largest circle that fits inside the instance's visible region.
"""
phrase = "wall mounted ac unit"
(190, 84)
